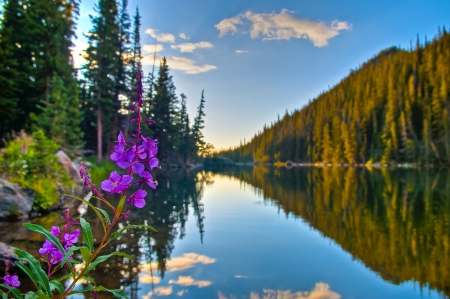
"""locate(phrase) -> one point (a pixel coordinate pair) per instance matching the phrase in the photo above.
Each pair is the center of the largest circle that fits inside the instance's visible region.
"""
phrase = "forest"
(83, 109)
(394, 108)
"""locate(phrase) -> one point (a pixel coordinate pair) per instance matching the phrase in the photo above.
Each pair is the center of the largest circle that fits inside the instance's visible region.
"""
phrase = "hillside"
(393, 109)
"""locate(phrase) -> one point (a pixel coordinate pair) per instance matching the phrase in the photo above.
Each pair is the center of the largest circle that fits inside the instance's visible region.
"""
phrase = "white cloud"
(150, 49)
(273, 26)
(159, 291)
(183, 36)
(240, 276)
(241, 51)
(188, 66)
(189, 281)
(180, 293)
(147, 278)
(190, 47)
(186, 261)
(320, 291)
(161, 37)
(227, 25)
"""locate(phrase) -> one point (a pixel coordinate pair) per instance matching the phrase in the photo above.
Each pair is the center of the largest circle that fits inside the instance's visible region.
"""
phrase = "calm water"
(302, 233)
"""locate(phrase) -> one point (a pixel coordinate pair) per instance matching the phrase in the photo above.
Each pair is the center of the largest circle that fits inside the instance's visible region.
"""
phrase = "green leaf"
(105, 214)
(86, 254)
(48, 235)
(35, 267)
(65, 277)
(120, 207)
(4, 296)
(56, 285)
(69, 252)
(118, 233)
(28, 272)
(31, 295)
(87, 234)
(95, 210)
(14, 291)
(117, 293)
(103, 258)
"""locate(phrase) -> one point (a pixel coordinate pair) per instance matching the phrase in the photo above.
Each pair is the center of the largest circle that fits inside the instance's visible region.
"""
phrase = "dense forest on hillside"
(395, 108)
(394, 222)
(85, 107)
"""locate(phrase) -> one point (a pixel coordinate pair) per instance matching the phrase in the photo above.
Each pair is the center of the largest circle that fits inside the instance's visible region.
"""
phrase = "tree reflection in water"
(396, 222)
(167, 210)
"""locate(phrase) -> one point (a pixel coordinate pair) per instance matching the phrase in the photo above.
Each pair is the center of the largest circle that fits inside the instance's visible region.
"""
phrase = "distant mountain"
(395, 108)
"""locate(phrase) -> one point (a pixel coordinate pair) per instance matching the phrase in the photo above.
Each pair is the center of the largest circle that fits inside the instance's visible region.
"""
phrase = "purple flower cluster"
(10, 280)
(137, 157)
(54, 255)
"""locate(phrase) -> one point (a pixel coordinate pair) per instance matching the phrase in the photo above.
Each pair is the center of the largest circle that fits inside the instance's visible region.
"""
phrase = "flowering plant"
(136, 157)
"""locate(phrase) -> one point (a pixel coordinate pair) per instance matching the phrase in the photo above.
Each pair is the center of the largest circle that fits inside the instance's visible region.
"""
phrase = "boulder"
(7, 254)
(69, 166)
(15, 202)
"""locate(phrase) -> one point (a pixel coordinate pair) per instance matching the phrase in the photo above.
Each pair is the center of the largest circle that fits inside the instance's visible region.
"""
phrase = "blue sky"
(256, 59)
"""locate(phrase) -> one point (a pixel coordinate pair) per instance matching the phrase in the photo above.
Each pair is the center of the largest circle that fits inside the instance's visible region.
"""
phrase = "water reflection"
(320, 291)
(167, 210)
(397, 223)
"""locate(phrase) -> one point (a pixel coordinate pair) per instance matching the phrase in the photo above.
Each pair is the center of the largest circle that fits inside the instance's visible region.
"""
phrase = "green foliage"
(35, 41)
(36, 167)
(393, 109)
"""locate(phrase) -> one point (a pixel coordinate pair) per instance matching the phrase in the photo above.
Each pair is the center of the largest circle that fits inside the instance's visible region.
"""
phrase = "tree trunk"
(99, 135)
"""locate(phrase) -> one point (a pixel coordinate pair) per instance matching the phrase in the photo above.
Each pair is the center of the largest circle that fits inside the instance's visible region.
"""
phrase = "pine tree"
(164, 112)
(199, 125)
(187, 148)
(102, 71)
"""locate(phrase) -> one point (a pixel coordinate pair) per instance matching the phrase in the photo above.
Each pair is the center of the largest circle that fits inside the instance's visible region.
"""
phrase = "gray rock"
(7, 254)
(15, 202)
(69, 166)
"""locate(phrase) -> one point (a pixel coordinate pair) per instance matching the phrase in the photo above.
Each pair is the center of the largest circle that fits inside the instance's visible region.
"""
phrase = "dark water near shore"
(269, 233)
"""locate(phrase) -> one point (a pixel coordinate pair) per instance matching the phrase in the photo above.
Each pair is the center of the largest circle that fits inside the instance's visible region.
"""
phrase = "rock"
(15, 202)
(7, 254)
(69, 166)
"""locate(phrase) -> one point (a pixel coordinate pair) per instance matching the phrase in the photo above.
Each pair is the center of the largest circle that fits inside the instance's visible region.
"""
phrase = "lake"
(272, 233)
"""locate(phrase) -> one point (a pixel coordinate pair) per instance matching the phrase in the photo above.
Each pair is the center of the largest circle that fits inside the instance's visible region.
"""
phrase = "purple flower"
(141, 151)
(24, 148)
(84, 175)
(116, 183)
(55, 231)
(153, 163)
(55, 257)
(148, 179)
(137, 199)
(137, 167)
(151, 146)
(121, 153)
(47, 248)
(12, 280)
(71, 238)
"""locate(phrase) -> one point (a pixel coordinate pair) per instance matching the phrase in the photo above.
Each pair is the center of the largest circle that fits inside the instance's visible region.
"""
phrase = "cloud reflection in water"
(320, 291)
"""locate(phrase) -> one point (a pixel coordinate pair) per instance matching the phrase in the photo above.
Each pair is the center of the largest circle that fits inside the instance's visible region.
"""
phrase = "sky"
(257, 59)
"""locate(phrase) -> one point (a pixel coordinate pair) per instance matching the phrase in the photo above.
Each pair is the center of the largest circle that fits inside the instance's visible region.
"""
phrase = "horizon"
(233, 52)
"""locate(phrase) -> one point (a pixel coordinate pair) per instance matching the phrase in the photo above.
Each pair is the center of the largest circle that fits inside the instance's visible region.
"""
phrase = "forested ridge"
(83, 107)
(394, 108)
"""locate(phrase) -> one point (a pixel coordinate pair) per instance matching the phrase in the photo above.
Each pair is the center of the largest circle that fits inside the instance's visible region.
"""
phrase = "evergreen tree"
(199, 125)
(102, 73)
(187, 147)
(33, 55)
(164, 112)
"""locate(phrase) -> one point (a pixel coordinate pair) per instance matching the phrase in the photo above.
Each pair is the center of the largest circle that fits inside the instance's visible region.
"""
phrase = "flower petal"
(107, 185)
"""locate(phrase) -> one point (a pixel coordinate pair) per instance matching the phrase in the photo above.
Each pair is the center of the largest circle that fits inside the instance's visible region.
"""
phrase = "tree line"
(394, 108)
(85, 107)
